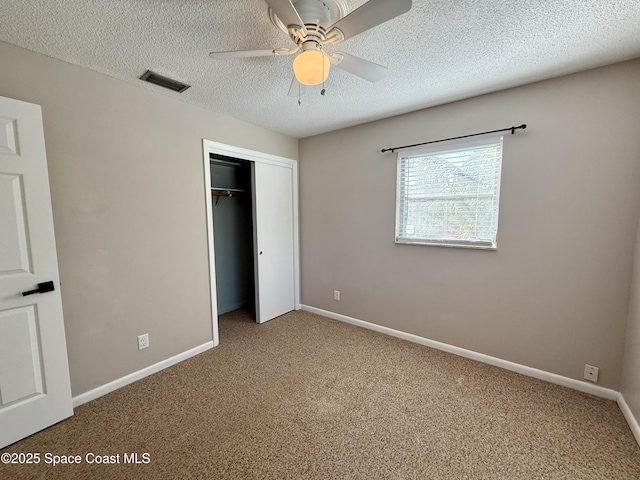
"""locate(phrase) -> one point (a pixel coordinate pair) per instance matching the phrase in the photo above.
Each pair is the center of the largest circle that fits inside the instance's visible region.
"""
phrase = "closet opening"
(251, 203)
(232, 212)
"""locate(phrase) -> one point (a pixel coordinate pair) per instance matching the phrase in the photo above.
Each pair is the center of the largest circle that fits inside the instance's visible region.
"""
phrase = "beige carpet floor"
(305, 397)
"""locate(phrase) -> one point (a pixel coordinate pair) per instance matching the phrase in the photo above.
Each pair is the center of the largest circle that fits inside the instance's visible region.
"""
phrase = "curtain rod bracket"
(513, 130)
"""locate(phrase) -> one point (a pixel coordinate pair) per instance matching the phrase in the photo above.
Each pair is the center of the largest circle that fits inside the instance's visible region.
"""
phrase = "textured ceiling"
(442, 50)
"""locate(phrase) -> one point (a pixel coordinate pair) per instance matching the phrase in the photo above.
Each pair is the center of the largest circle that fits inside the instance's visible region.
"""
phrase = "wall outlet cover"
(591, 373)
(143, 341)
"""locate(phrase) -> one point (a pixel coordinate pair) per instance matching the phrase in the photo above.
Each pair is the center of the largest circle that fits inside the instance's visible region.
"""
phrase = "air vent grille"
(165, 82)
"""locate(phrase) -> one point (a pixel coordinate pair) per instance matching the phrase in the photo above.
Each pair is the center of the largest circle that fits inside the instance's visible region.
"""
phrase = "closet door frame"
(257, 157)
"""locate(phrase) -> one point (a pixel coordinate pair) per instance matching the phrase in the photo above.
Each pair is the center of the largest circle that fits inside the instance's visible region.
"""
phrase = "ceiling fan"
(314, 24)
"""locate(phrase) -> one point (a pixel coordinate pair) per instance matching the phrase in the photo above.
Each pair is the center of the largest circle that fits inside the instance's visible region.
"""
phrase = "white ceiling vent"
(165, 82)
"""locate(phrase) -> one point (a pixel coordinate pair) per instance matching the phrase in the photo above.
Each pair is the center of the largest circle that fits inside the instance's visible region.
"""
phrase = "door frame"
(208, 147)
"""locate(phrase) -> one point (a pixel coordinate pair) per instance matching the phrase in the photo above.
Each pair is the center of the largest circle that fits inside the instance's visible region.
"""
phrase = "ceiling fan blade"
(243, 54)
(358, 66)
(369, 15)
(286, 12)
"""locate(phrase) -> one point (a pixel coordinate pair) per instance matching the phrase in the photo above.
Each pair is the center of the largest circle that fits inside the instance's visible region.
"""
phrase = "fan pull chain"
(299, 102)
(323, 89)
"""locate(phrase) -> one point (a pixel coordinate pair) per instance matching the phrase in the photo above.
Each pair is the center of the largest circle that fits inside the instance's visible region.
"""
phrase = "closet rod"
(227, 190)
(513, 130)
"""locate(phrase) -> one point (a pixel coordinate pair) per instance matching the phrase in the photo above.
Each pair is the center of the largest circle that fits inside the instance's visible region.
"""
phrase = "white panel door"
(34, 373)
(274, 240)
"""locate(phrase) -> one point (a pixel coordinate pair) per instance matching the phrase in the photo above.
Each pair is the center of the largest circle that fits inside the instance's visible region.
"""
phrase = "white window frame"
(437, 149)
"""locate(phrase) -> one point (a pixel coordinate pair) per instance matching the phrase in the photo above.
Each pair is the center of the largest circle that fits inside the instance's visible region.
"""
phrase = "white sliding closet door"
(274, 240)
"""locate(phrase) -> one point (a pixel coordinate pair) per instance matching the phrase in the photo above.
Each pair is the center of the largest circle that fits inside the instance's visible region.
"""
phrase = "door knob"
(42, 288)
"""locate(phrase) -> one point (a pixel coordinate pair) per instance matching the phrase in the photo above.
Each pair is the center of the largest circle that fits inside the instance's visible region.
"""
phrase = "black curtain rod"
(513, 130)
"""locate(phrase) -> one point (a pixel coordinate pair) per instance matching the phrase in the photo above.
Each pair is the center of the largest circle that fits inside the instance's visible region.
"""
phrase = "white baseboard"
(480, 357)
(140, 374)
(628, 415)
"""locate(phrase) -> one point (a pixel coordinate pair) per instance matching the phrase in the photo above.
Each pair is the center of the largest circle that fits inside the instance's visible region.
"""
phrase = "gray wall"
(127, 185)
(555, 294)
(630, 386)
(232, 226)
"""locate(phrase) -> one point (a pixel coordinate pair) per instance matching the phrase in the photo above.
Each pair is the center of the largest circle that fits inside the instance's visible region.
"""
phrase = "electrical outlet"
(143, 341)
(591, 373)
(336, 295)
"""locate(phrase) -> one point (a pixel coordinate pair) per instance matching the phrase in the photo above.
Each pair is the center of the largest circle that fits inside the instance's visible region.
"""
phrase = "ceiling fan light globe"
(311, 67)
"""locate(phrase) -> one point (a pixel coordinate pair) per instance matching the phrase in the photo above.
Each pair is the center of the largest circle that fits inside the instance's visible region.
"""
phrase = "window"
(448, 195)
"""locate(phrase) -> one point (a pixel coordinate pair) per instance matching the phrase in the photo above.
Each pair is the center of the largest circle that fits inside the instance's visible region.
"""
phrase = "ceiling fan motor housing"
(316, 12)
(320, 13)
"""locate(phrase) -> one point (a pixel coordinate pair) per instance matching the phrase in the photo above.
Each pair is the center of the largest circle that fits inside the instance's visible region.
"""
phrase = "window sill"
(473, 246)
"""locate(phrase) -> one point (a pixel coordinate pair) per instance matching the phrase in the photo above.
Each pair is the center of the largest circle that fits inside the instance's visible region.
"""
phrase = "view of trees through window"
(450, 196)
